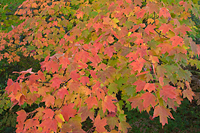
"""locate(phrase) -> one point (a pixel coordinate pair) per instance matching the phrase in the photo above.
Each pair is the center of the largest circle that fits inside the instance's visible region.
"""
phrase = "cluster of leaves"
(7, 18)
(91, 50)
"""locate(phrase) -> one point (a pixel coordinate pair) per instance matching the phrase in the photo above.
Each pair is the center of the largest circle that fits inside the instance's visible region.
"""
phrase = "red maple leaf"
(109, 51)
(84, 80)
(150, 87)
(152, 7)
(165, 47)
(93, 74)
(62, 92)
(12, 87)
(132, 56)
(164, 12)
(99, 124)
(108, 104)
(79, 14)
(48, 113)
(110, 39)
(168, 91)
(140, 13)
(148, 98)
(138, 64)
(74, 75)
(48, 125)
(166, 27)
(176, 40)
(183, 28)
(163, 113)
(136, 102)
(49, 100)
(56, 81)
(64, 62)
(21, 116)
(140, 85)
(150, 28)
(68, 111)
(91, 101)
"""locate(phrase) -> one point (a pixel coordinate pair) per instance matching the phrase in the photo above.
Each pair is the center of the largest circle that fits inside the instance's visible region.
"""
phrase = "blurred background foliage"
(186, 117)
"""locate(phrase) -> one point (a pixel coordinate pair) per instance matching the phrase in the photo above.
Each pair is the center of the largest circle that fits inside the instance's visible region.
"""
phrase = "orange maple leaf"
(108, 104)
(49, 100)
(109, 51)
(79, 14)
(189, 94)
(166, 27)
(164, 12)
(150, 28)
(163, 113)
(168, 91)
(91, 101)
(74, 75)
(68, 111)
(136, 102)
(176, 40)
(99, 124)
(148, 98)
(140, 85)
(62, 92)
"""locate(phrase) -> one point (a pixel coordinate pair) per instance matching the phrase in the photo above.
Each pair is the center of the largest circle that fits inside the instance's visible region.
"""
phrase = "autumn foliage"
(91, 50)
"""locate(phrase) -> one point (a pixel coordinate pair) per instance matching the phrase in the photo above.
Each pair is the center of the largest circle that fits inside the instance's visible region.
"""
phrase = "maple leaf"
(91, 101)
(49, 100)
(152, 7)
(48, 125)
(109, 51)
(112, 122)
(150, 28)
(165, 47)
(48, 113)
(56, 81)
(110, 39)
(148, 98)
(79, 14)
(62, 92)
(132, 56)
(176, 40)
(21, 116)
(163, 113)
(12, 87)
(108, 104)
(138, 64)
(150, 87)
(168, 91)
(64, 62)
(136, 102)
(84, 80)
(85, 113)
(123, 125)
(74, 75)
(140, 13)
(164, 12)
(189, 94)
(140, 85)
(99, 124)
(68, 111)
(183, 28)
(93, 74)
(166, 27)
(129, 1)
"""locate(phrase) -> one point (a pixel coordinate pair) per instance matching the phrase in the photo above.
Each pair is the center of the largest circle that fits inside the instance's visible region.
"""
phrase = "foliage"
(92, 50)
(7, 18)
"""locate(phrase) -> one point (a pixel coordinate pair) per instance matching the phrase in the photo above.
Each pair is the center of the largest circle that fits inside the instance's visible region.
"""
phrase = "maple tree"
(91, 50)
